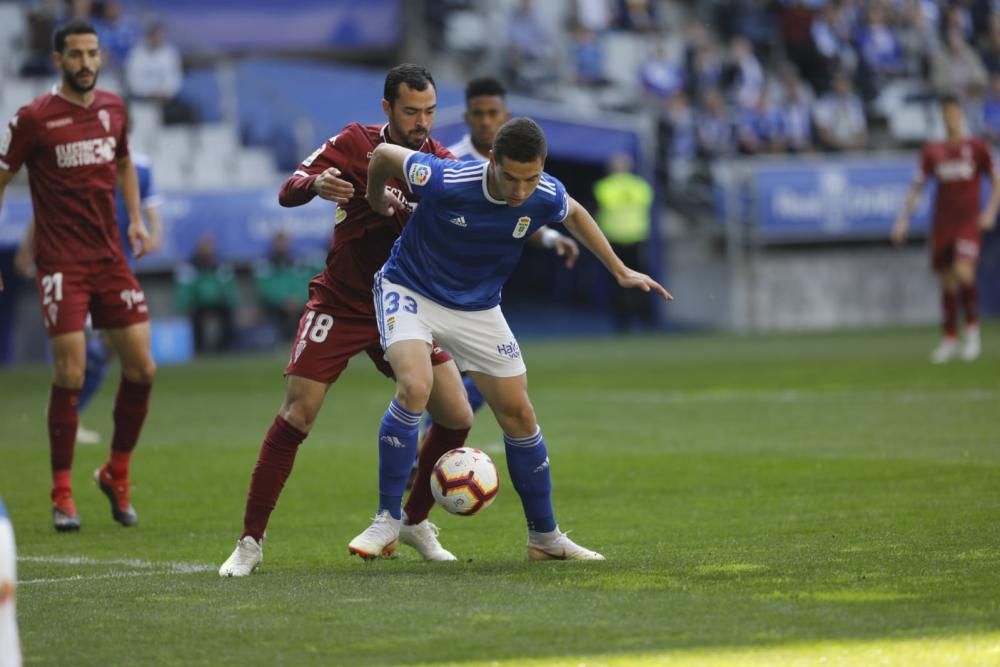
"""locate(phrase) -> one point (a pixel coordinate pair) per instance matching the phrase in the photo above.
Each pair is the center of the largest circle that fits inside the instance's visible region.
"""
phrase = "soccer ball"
(465, 481)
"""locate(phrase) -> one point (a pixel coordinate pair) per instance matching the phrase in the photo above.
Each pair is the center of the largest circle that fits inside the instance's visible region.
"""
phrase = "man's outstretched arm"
(583, 226)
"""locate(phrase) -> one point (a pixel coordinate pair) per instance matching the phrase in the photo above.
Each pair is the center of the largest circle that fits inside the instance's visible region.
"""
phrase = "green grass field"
(779, 500)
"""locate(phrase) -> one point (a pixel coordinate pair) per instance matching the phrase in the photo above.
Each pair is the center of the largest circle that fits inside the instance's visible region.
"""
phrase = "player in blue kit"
(442, 282)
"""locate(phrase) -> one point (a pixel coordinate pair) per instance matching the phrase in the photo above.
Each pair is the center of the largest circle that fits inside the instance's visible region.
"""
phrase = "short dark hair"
(416, 77)
(520, 140)
(949, 98)
(74, 27)
(484, 86)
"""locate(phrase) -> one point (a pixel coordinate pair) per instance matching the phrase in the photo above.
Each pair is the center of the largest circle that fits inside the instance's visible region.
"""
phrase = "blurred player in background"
(443, 279)
(10, 644)
(959, 164)
(75, 145)
(98, 354)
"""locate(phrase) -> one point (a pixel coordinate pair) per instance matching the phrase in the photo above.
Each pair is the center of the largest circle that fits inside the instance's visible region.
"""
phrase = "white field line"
(134, 568)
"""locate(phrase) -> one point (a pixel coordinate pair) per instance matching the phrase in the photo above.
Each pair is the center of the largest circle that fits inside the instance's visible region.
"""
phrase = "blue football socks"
(397, 447)
(528, 464)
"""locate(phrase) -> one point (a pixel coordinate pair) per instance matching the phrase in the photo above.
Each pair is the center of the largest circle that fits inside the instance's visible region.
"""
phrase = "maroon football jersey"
(958, 167)
(71, 152)
(362, 239)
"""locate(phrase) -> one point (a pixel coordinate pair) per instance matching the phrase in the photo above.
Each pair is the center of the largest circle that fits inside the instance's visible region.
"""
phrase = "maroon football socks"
(949, 308)
(63, 420)
(438, 441)
(131, 406)
(274, 465)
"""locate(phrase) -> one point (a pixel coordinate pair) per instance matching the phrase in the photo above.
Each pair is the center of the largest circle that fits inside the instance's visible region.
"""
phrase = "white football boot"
(379, 539)
(556, 545)
(971, 346)
(85, 436)
(244, 559)
(947, 350)
(423, 538)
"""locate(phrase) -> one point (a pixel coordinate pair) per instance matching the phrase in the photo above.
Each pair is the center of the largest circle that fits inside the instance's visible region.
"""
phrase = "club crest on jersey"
(522, 227)
(339, 216)
(419, 174)
(105, 119)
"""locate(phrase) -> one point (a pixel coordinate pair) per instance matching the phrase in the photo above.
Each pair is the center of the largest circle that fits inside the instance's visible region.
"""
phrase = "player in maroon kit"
(959, 164)
(75, 146)
(339, 319)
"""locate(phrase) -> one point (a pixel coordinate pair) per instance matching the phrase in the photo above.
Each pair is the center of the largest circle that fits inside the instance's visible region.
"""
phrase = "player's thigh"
(132, 344)
(508, 399)
(119, 302)
(402, 314)
(966, 256)
(302, 402)
(449, 402)
(411, 364)
(64, 294)
(69, 359)
(480, 341)
(324, 345)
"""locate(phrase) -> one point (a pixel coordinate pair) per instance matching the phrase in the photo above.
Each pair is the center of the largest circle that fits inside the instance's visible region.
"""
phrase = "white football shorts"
(479, 340)
(10, 646)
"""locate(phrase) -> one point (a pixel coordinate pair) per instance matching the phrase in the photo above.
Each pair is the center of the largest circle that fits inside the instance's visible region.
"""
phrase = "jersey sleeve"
(560, 204)
(335, 152)
(424, 173)
(17, 141)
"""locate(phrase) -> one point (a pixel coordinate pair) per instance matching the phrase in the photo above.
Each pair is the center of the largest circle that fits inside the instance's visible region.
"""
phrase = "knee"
(518, 419)
(413, 390)
(300, 414)
(69, 375)
(456, 418)
(142, 373)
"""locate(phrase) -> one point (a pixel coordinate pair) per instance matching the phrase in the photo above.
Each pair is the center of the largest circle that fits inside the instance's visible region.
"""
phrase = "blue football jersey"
(148, 198)
(460, 244)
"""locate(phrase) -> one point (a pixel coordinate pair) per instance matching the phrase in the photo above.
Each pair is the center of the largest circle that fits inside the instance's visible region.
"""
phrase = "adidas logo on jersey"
(460, 221)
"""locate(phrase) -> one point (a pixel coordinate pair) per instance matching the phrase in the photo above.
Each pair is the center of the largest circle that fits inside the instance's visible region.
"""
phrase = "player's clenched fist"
(329, 185)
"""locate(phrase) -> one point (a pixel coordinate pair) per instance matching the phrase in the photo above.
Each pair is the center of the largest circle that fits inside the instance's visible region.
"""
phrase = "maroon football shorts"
(324, 344)
(949, 245)
(105, 289)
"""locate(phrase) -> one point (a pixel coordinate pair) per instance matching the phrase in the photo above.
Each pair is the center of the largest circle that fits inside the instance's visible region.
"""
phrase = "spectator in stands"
(744, 74)
(759, 128)
(956, 68)
(153, 72)
(529, 61)
(41, 18)
(588, 58)
(118, 33)
(702, 64)
(796, 113)
(282, 285)
(881, 52)
(660, 77)
(991, 49)
(624, 202)
(840, 117)
(678, 141)
(206, 291)
(594, 15)
(638, 15)
(716, 130)
(831, 38)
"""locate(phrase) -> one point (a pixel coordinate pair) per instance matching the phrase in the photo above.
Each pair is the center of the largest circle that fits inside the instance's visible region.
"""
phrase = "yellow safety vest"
(623, 201)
